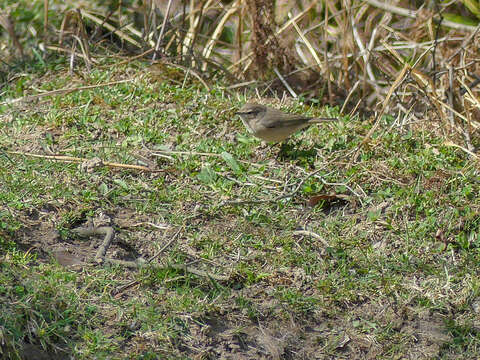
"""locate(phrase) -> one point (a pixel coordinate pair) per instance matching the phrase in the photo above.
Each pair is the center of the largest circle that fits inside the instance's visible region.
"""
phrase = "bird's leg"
(298, 144)
(283, 152)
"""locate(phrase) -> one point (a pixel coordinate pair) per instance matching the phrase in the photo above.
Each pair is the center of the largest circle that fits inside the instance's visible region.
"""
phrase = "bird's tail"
(319, 120)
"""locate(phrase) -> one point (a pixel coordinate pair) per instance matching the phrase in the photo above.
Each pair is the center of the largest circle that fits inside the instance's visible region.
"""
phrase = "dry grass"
(415, 63)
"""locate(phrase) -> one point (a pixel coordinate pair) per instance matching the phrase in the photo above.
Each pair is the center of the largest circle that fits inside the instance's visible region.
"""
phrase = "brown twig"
(77, 159)
(274, 200)
(311, 234)
(121, 289)
(98, 230)
(197, 272)
(450, 143)
(189, 71)
(464, 44)
(164, 247)
(62, 92)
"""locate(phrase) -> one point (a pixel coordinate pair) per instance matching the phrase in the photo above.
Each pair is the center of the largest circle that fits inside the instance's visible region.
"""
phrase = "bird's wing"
(277, 118)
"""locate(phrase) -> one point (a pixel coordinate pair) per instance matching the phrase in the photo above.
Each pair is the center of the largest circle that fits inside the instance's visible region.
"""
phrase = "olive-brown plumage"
(271, 124)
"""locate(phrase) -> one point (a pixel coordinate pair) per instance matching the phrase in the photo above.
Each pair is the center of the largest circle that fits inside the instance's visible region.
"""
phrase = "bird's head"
(251, 111)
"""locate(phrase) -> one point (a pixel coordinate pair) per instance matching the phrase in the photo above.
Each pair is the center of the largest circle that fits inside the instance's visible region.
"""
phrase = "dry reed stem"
(400, 78)
(285, 83)
(7, 23)
(80, 55)
(357, 43)
(111, 28)
(207, 51)
(279, 32)
(162, 30)
(413, 15)
(307, 43)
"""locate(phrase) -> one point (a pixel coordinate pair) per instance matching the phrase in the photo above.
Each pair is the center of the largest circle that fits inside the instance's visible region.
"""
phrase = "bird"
(273, 125)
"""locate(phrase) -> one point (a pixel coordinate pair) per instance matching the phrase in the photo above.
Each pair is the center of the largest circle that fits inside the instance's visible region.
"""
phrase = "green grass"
(382, 276)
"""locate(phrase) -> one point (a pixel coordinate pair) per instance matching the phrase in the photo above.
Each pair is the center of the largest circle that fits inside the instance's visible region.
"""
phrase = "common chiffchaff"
(271, 124)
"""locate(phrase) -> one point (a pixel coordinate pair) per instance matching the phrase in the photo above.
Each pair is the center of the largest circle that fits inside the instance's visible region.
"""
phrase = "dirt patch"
(233, 335)
(40, 235)
(223, 336)
(36, 352)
